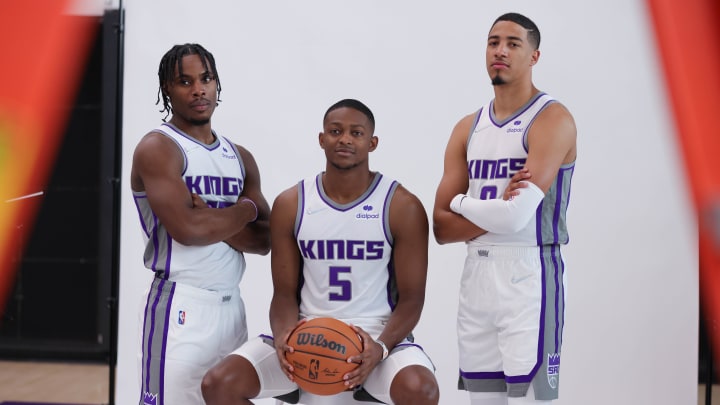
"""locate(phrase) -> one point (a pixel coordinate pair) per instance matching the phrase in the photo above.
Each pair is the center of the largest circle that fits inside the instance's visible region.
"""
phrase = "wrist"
(247, 200)
(385, 351)
(456, 203)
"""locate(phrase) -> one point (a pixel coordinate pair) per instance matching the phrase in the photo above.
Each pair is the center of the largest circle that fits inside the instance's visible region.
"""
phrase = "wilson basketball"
(322, 346)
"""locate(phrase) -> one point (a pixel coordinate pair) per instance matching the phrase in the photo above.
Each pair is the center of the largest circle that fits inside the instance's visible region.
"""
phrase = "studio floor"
(64, 383)
(54, 382)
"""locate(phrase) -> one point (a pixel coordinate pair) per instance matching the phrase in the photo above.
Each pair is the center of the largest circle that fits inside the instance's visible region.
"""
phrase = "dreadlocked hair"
(173, 58)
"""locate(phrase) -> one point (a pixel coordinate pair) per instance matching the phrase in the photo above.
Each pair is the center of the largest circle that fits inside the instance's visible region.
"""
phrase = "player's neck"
(201, 132)
(346, 186)
(509, 98)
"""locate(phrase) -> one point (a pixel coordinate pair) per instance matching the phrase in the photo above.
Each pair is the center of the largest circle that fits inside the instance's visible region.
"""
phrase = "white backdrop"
(632, 304)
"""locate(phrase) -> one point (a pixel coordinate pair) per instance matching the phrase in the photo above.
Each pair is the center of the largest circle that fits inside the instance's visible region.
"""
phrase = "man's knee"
(415, 385)
(232, 379)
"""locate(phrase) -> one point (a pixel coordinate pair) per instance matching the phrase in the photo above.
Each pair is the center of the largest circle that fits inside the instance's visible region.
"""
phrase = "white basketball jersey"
(496, 150)
(216, 173)
(346, 251)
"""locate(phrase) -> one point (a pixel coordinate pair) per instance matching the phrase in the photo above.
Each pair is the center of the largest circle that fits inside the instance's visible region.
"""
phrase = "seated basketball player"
(352, 244)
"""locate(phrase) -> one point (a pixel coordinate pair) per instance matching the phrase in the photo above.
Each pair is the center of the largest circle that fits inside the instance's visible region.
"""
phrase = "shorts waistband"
(201, 294)
(353, 321)
(502, 251)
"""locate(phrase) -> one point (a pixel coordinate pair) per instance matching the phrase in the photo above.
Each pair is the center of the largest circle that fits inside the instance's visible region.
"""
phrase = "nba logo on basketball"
(181, 318)
(553, 369)
(314, 367)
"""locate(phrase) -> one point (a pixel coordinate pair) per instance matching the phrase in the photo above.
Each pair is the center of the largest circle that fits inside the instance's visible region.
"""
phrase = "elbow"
(264, 250)
(187, 238)
(439, 235)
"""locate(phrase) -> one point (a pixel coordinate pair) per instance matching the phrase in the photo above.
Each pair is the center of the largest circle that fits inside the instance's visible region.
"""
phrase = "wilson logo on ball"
(312, 339)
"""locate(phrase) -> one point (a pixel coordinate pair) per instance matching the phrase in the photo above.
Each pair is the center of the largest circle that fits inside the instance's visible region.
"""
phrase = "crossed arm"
(458, 217)
(156, 170)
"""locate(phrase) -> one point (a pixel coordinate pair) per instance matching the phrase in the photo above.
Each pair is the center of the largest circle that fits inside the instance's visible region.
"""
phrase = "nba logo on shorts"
(553, 369)
(181, 317)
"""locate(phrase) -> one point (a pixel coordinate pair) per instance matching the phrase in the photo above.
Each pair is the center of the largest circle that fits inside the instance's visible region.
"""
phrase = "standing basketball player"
(511, 305)
(200, 205)
(351, 244)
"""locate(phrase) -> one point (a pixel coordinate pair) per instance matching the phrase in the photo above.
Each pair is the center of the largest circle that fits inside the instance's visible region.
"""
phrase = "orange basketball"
(322, 346)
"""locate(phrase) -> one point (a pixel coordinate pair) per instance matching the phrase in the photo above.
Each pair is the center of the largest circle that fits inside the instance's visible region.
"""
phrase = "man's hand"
(198, 202)
(517, 181)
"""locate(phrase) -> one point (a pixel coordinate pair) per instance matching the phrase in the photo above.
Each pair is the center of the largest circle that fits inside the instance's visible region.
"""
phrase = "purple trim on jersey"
(239, 158)
(472, 128)
(375, 182)
(558, 206)
(390, 240)
(155, 242)
(532, 121)
(301, 207)
(386, 212)
(482, 375)
(166, 327)
(166, 271)
(538, 223)
(513, 117)
(571, 169)
(142, 220)
(264, 336)
(212, 146)
(182, 150)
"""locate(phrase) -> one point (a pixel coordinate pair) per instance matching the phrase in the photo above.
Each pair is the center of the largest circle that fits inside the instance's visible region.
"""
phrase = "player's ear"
(374, 143)
(534, 57)
(320, 140)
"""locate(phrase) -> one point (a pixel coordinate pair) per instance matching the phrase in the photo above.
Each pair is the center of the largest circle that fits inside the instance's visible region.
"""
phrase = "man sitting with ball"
(349, 244)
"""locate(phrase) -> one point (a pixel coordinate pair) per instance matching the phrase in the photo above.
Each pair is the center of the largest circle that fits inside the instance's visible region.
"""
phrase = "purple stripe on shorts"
(166, 327)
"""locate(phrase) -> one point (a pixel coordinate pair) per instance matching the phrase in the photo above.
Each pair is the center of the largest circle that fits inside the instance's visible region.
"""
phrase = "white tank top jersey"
(496, 150)
(346, 251)
(216, 173)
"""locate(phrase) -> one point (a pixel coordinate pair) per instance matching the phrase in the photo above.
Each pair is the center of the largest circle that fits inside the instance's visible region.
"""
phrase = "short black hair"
(533, 32)
(355, 105)
(173, 58)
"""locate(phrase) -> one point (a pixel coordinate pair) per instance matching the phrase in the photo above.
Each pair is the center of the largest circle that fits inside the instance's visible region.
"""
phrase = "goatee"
(497, 80)
(199, 122)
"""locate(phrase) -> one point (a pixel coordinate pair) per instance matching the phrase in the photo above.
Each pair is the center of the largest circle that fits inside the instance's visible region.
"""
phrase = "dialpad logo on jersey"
(181, 317)
(553, 369)
(515, 128)
(227, 154)
(367, 213)
(149, 398)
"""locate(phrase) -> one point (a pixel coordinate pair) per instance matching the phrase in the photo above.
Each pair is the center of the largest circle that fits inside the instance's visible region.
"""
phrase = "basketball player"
(352, 244)
(201, 206)
(511, 304)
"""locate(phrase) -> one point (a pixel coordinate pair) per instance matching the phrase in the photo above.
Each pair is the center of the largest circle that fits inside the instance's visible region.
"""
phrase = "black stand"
(113, 60)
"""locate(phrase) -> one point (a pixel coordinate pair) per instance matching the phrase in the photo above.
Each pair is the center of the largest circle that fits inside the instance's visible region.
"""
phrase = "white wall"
(631, 321)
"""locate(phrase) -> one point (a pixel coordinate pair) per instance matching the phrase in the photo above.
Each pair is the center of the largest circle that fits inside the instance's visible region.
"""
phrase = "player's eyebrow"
(511, 38)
